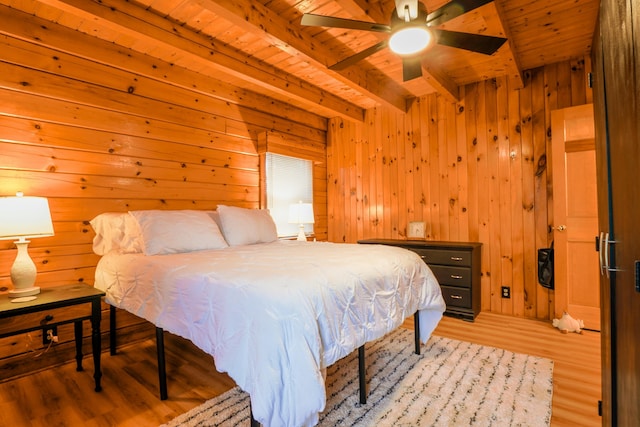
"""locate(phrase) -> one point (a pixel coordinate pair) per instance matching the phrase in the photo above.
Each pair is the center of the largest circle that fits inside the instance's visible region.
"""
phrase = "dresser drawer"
(457, 297)
(456, 276)
(33, 321)
(446, 257)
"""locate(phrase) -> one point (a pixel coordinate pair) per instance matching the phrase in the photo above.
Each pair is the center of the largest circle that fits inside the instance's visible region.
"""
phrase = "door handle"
(561, 228)
(606, 253)
(600, 243)
(607, 244)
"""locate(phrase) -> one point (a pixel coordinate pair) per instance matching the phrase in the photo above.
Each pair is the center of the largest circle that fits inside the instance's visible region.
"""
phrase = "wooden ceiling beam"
(40, 35)
(514, 68)
(442, 83)
(256, 18)
(135, 21)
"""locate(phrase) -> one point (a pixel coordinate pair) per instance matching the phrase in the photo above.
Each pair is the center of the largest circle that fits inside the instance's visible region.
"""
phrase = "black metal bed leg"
(112, 330)
(416, 328)
(162, 369)
(362, 375)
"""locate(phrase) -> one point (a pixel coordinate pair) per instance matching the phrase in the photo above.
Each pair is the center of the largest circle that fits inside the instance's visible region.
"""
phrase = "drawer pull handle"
(456, 296)
(456, 258)
(455, 276)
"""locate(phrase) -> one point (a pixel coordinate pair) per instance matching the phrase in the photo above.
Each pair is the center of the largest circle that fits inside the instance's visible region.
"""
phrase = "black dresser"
(456, 265)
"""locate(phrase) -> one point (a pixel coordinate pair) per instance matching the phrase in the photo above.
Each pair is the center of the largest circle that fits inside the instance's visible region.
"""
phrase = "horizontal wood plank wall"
(477, 170)
(97, 128)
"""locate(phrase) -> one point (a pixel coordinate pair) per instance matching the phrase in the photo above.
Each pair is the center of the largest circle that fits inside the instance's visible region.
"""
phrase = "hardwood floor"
(63, 397)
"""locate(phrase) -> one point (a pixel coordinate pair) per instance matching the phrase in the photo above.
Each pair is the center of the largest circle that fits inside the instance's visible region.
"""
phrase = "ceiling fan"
(412, 30)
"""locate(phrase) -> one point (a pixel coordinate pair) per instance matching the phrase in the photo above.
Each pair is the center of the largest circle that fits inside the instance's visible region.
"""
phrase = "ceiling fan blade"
(309, 19)
(351, 60)
(473, 42)
(453, 9)
(411, 68)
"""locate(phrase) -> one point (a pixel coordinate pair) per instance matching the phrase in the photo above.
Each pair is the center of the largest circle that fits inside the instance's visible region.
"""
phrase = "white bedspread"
(274, 315)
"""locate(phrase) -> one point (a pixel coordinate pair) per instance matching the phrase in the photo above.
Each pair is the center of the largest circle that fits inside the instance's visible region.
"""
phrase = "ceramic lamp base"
(301, 236)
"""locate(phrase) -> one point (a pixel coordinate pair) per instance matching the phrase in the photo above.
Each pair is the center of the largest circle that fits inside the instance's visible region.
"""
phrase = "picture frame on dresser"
(456, 266)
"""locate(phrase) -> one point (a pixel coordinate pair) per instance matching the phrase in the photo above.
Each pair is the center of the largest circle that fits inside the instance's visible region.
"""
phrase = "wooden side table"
(56, 306)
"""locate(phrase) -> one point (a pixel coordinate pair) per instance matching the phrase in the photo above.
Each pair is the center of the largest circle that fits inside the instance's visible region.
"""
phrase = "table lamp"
(301, 213)
(23, 218)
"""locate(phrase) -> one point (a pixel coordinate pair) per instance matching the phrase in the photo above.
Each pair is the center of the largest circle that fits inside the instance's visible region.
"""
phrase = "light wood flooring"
(63, 397)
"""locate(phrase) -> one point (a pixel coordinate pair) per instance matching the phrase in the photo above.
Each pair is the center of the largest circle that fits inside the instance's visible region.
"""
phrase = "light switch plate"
(415, 230)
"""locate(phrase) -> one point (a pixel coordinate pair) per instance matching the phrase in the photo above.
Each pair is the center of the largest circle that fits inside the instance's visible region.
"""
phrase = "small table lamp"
(301, 213)
(22, 218)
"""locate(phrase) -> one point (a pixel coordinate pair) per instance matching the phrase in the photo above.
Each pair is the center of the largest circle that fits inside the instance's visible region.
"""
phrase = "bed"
(272, 313)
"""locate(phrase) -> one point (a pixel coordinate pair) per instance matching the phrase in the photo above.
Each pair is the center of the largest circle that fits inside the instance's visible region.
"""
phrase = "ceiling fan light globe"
(410, 40)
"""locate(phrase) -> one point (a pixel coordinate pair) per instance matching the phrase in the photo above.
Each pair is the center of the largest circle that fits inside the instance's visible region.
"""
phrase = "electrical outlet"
(506, 292)
(53, 330)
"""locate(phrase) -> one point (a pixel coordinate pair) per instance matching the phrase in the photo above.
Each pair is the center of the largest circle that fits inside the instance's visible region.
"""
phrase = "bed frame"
(162, 370)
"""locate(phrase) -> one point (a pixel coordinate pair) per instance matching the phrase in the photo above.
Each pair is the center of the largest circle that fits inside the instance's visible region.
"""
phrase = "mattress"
(275, 315)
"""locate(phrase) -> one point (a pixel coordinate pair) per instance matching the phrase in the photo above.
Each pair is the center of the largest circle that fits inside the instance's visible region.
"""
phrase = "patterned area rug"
(453, 383)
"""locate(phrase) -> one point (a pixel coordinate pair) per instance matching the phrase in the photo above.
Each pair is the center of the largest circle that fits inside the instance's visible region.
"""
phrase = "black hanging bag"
(545, 267)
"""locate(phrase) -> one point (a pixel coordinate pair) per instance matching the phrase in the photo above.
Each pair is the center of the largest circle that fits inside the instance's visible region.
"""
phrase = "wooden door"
(575, 215)
(606, 287)
(617, 67)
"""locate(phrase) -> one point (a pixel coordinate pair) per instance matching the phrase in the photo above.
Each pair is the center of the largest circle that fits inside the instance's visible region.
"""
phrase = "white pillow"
(242, 226)
(116, 231)
(170, 232)
(216, 217)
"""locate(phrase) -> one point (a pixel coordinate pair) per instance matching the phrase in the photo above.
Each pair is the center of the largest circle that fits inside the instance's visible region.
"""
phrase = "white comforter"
(275, 315)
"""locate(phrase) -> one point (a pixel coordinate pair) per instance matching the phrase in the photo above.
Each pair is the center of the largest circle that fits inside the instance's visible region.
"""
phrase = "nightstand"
(56, 306)
(456, 265)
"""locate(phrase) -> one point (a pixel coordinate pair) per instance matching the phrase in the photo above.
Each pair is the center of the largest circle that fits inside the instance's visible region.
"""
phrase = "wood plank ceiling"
(260, 46)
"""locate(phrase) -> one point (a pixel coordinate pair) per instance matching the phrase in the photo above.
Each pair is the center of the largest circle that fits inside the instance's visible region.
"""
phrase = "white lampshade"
(301, 213)
(24, 218)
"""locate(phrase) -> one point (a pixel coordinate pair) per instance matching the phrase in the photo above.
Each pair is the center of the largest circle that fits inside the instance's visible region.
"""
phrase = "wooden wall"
(477, 170)
(97, 128)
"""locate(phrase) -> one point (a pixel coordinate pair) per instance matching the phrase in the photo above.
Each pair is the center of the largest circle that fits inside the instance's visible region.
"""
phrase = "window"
(288, 180)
